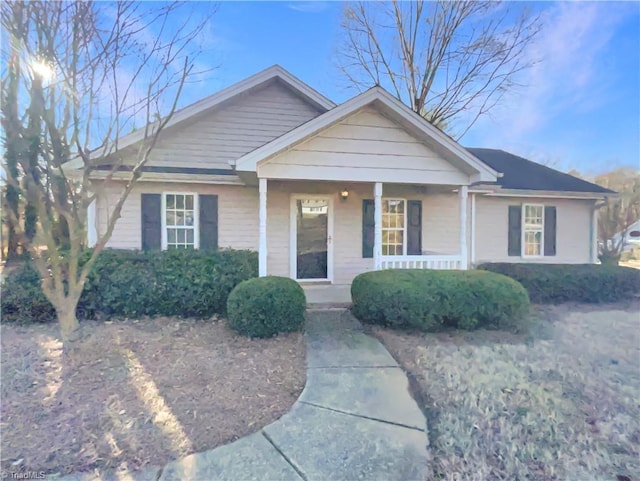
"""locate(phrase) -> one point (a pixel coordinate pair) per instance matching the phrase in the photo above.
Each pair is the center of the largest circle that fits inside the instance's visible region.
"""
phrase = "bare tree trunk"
(69, 324)
(89, 78)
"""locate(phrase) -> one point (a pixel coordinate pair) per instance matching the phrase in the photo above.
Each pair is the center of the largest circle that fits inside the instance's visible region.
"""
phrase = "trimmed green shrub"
(22, 297)
(266, 306)
(122, 283)
(430, 299)
(556, 283)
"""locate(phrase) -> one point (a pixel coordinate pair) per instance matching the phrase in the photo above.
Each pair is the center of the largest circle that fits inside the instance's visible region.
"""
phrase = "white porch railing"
(447, 262)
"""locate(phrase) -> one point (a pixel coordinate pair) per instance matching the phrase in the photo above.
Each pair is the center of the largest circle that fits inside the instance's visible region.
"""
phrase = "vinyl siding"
(366, 146)
(232, 130)
(237, 214)
(573, 240)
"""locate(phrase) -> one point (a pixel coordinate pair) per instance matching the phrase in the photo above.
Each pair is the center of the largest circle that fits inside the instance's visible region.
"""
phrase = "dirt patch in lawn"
(138, 393)
(557, 402)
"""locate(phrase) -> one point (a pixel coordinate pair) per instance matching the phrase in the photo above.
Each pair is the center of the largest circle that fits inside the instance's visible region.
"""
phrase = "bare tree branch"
(76, 62)
(449, 61)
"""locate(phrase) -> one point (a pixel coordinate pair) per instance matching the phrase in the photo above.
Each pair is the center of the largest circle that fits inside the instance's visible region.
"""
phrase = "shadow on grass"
(137, 393)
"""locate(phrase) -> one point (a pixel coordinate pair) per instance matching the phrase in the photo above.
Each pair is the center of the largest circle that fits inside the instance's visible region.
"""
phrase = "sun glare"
(42, 70)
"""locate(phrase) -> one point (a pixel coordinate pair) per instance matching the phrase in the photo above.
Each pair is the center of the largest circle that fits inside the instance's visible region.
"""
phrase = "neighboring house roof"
(395, 110)
(523, 174)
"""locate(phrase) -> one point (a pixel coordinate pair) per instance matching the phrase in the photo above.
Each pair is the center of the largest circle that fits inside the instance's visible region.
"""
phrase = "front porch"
(326, 233)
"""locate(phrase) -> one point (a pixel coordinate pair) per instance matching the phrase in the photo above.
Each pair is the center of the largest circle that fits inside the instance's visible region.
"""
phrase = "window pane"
(171, 236)
(188, 220)
(171, 201)
(179, 201)
(179, 218)
(190, 236)
(400, 208)
(533, 214)
(532, 243)
(181, 236)
(189, 202)
(171, 218)
(400, 221)
(400, 239)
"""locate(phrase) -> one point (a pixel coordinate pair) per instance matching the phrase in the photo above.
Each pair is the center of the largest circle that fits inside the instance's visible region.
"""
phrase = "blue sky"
(580, 107)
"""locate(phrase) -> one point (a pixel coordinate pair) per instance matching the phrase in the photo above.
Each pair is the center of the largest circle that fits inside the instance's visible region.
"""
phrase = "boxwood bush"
(266, 306)
(123, 283)
(430, 299)
(556, 283)
(22, 298)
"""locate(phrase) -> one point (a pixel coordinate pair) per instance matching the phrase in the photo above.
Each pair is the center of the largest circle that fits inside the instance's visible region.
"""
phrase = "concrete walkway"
(355, 420)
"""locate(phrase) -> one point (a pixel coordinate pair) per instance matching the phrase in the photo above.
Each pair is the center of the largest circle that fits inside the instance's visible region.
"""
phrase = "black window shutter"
(151, 207)
(414, 228)
(208, 222)
(368, 227)
(549, 231)
(515, 225)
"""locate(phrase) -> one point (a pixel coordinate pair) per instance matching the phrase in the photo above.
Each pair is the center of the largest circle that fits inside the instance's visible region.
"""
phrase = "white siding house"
(326, 192)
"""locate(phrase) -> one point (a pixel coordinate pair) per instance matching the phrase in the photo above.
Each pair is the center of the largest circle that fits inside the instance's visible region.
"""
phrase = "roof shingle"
(524, 174)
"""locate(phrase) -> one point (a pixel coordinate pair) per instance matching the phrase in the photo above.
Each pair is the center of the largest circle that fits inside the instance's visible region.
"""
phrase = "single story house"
(325, 192)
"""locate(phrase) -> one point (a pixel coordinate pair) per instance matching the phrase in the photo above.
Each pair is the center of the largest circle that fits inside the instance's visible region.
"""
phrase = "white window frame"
(404, 228)
(196, 219)
(524, 229)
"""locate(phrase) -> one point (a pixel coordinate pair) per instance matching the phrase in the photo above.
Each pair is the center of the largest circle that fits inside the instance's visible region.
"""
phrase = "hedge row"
(266, 306)
(430, 299)
(132, 284)
(556, 283)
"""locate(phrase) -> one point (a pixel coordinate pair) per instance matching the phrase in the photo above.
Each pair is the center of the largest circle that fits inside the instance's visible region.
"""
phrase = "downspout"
(594, 229)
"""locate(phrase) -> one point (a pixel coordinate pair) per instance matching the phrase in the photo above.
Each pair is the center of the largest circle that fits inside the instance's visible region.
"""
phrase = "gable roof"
(275, 72)
(523, 174)
(395, 110)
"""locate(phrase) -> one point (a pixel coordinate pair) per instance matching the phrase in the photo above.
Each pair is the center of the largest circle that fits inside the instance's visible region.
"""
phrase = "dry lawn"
(138, 393)
(561, 402)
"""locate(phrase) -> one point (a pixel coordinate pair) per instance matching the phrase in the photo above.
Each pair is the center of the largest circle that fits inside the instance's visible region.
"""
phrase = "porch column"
(472, 247)
(92, 229)
(377, 217)
(462, 194)
(262, 248)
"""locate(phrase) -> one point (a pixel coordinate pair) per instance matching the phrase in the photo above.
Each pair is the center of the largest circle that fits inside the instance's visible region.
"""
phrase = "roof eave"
(551, 194)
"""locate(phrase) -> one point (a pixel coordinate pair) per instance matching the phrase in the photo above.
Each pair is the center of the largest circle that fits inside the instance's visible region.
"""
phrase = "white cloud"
(308, 7)
(568, 76)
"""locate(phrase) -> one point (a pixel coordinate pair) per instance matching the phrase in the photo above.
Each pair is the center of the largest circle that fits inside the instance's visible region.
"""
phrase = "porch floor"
(327, 295)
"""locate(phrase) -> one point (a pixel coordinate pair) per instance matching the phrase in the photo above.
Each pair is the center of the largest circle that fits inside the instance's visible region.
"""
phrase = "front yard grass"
(138, 392)
(558, 402)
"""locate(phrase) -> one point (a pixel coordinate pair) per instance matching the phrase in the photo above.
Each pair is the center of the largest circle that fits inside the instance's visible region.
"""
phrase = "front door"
(311, 229)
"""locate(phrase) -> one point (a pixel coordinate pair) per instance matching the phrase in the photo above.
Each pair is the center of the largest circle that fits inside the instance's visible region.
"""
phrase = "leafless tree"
(618, 213)
(450, 61)
(79, 75)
